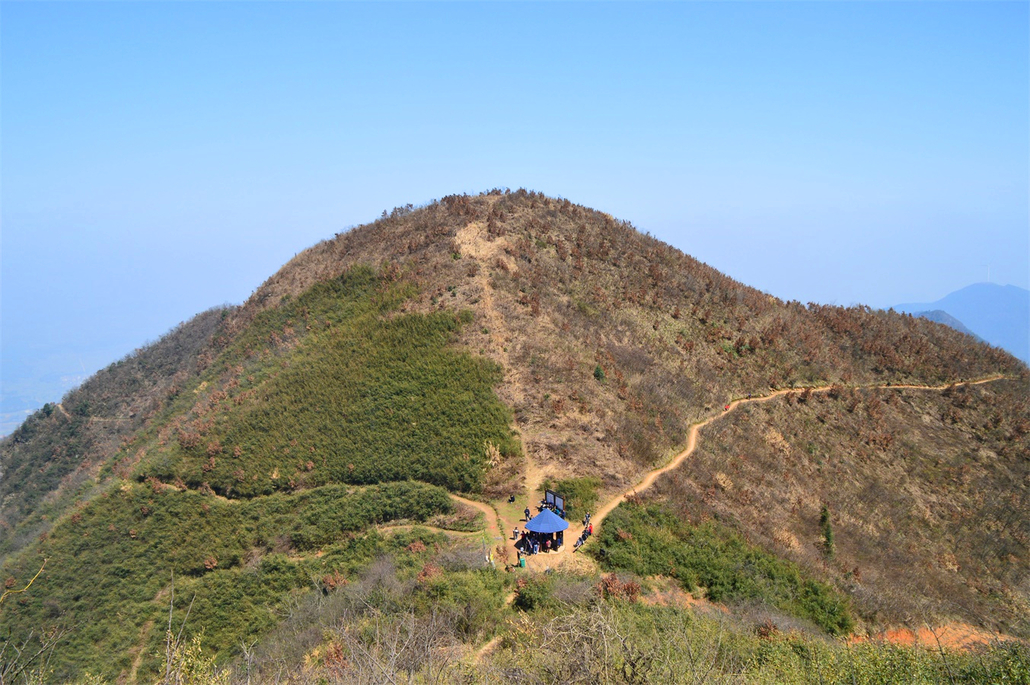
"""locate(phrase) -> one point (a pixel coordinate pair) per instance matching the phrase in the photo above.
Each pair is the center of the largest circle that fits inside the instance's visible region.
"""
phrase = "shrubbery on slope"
(338, 387)
(651, 540)
(110, 564)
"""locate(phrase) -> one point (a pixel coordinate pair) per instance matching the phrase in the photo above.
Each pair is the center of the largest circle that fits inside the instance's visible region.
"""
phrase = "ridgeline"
(270, 491)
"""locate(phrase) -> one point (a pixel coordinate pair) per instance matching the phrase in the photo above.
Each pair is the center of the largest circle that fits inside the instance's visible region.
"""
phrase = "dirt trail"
(473, 243)
(534, 476)
(402, 527)
(492, 642)
(492, 518)
(138, 649)
(692, 436)
(569, 560)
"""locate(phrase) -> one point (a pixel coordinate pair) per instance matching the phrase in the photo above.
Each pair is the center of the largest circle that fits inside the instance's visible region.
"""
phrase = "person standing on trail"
(526, 512)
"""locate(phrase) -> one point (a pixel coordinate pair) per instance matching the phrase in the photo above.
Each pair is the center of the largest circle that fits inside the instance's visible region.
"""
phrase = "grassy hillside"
(710, 560)
(328, 388)
(52, 459)
(485, 345)
(334, 387)
(111, 564)
(625, 640)
(925, 492)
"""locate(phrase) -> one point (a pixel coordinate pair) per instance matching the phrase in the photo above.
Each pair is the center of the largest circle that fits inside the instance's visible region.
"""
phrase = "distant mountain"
(941, 316)
(999, 314)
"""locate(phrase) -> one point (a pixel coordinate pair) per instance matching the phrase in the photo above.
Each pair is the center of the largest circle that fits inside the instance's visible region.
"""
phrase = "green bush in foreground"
(650, 540)
(633, 642)
(110, 565)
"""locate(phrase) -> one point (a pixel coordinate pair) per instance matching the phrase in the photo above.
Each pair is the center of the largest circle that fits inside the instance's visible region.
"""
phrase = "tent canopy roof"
(546, 522)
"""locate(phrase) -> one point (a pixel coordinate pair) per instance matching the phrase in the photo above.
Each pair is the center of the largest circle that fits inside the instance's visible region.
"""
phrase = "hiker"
(586, 519)
(547, 545)
(511, 499)
(590, 530)
(526, 512)
(515, 533)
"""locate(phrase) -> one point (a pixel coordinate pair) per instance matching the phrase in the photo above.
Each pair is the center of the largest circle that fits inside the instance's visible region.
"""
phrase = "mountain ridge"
(565, 344)
(998, 314)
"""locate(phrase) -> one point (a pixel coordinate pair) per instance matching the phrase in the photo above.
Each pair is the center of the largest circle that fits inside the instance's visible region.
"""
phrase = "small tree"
(599, 373)
(824, 522)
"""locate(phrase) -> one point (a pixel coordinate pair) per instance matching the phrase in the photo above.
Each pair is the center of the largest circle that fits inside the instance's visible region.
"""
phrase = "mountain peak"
(998, 314)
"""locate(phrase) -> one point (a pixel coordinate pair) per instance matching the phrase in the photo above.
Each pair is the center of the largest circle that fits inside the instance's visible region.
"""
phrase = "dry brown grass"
(928, 493)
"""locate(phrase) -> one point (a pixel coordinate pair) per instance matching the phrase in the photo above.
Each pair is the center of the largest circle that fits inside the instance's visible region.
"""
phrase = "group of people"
(544, 504)
(529, 542)
(588, 530)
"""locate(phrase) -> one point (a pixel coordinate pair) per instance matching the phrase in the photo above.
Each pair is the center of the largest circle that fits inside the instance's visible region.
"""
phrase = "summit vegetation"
(313, 486)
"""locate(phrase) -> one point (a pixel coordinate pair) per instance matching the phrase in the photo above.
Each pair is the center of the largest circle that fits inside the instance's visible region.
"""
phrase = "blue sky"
(159, 159)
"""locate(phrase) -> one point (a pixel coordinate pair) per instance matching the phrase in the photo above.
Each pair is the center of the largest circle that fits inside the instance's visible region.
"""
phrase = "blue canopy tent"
(546, 522)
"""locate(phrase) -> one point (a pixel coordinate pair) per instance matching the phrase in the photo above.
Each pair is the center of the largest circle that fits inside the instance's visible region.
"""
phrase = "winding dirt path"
(402, 527)
(567, 559)
(493, 519)
(692, 437)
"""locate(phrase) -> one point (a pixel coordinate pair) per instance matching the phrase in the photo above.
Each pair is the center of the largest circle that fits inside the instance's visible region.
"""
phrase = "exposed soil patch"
(951, 636)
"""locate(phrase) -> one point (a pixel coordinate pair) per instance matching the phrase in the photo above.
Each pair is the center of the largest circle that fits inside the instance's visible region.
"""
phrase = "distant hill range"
(997, 314)
(941, 316)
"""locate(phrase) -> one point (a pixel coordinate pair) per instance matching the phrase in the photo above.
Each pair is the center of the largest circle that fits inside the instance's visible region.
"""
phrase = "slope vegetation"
(923, 492)
(52, 459)
(557, 290)
(326, 388)
(485, 345)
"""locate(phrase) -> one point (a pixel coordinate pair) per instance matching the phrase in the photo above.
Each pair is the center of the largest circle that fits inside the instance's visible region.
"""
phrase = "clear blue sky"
(159, 159)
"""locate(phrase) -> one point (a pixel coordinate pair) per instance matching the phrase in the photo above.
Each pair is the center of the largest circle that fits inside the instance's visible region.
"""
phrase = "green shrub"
(533, 593)
(650, 540)
(359, 398)
(580, 493)
(827, 528)
(110, 565)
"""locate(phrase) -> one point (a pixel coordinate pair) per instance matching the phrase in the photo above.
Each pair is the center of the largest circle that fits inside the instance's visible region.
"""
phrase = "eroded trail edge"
(692, 436)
